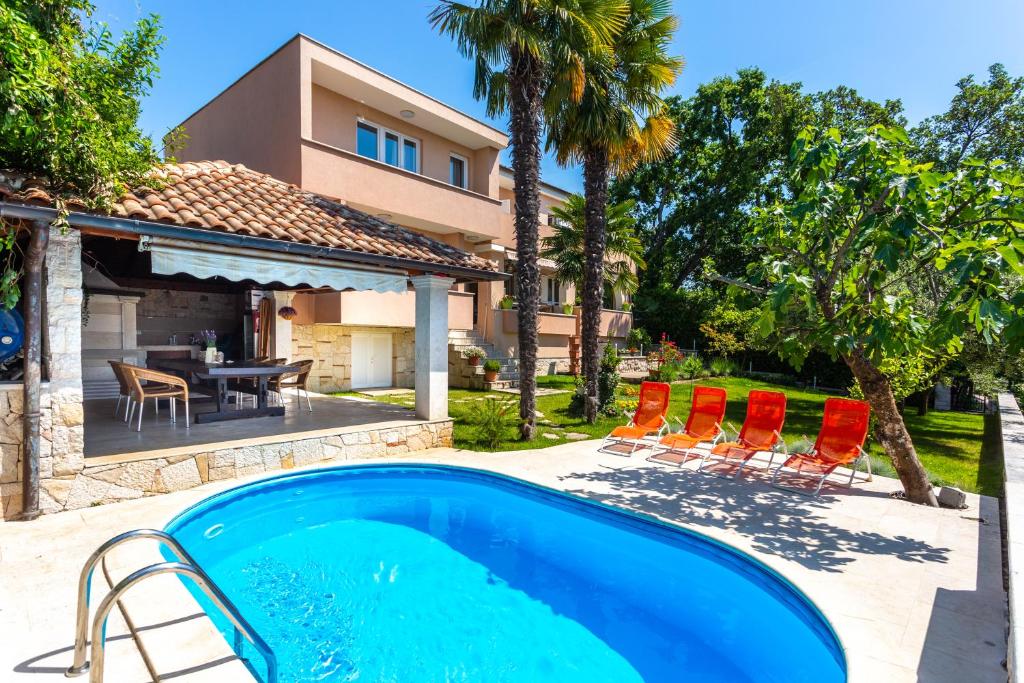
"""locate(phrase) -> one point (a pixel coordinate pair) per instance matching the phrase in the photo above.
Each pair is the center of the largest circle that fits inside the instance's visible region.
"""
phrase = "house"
(341, 129)
(216, 246)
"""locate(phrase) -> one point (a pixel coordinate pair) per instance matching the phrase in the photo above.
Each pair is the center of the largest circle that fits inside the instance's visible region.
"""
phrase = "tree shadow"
(780, 523)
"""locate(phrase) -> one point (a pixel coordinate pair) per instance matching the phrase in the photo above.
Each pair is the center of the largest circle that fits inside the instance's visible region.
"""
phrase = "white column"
(431, 346)
(281, 329)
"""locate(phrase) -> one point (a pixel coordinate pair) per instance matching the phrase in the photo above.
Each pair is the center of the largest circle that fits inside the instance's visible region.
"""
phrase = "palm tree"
(619, 122)
(525, 51)
(624, 252)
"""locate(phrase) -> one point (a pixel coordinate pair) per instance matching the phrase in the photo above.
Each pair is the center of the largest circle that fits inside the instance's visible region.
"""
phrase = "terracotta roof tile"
(216, 195)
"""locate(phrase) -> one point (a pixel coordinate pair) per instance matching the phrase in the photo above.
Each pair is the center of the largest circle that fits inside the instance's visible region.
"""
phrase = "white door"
(371, 360)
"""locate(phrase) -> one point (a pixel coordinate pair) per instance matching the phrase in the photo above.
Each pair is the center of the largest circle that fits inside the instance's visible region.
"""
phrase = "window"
(391, 149)
(366, 140)
(410, 160)
(457, 171)
(552, 290)
(394, 149)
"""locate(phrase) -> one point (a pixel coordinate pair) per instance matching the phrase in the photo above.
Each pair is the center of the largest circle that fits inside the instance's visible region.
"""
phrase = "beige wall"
(330, 348)
(334, 119)
(376, 309)
(255, 122)
(412, 200)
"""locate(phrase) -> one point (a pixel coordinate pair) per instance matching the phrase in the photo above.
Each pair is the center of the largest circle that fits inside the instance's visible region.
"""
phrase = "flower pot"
(490, 376)
(211, 354)
(474, 361)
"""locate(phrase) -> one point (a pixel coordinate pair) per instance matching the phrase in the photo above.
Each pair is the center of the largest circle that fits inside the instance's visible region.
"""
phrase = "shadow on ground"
(778, 522)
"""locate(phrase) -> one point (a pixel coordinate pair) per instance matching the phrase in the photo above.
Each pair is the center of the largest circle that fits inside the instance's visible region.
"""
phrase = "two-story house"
(312, 116)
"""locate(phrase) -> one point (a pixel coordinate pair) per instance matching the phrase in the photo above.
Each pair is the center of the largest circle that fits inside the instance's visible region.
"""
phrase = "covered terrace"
(210, 246)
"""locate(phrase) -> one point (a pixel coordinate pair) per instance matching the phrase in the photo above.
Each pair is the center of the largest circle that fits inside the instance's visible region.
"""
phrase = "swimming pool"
(415, 573)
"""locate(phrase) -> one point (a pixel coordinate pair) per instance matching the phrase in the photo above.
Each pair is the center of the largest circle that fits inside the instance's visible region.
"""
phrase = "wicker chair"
(124, 387)
(293, 380)
(157, 385)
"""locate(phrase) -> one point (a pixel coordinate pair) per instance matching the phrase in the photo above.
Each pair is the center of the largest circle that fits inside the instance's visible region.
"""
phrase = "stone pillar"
(431, 346)
(281, 329)
(62, 353)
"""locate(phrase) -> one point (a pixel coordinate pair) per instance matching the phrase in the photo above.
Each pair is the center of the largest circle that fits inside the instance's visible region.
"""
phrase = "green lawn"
(956, 448)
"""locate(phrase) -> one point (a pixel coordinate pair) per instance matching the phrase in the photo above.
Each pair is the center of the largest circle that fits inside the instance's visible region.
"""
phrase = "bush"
(578, 402)
(494, 419)
(638, 339)
(723, 367)
(492, 366)
(608, 380)
(692, 367)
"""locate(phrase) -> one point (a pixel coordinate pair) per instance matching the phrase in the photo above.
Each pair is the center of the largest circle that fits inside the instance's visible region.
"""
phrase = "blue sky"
(914, 50)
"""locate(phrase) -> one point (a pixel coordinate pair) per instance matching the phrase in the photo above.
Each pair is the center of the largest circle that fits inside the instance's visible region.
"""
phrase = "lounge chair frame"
(754, 450)
(654, 456)
(863, 457)
(609, 441)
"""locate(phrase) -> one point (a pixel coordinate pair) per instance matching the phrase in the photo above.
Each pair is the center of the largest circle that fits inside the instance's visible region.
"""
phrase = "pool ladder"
(185, 566)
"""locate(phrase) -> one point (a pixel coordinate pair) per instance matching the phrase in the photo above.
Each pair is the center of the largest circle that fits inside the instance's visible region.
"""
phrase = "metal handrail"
(185, 566)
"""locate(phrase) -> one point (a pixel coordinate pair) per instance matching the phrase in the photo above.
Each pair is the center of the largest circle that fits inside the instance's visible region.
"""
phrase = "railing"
(185, 566)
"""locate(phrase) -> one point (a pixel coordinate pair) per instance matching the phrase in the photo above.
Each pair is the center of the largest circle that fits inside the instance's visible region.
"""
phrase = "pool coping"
(645, 519)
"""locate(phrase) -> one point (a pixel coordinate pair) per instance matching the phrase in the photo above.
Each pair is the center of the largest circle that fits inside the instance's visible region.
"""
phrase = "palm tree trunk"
(595, 185)
(892, 432)
(525, 81)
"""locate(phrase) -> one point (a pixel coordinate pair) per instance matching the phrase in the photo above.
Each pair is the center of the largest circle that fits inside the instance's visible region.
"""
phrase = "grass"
(960, 449)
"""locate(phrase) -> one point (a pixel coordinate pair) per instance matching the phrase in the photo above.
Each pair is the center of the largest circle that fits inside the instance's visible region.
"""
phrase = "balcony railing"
(378, 187)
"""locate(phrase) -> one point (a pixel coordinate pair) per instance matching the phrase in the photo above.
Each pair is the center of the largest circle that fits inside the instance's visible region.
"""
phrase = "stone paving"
(915, 594)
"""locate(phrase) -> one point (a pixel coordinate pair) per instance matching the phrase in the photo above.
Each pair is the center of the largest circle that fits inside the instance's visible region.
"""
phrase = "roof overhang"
(353, 79)
(113, 226)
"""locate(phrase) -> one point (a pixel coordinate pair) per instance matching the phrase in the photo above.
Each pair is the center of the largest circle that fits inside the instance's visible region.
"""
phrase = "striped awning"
(201, 260)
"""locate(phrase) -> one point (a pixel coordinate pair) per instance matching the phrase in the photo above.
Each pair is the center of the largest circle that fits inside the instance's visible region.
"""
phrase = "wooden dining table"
(220, 374)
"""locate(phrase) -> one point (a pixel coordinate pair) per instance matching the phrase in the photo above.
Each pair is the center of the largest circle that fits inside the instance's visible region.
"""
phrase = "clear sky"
(914, 50)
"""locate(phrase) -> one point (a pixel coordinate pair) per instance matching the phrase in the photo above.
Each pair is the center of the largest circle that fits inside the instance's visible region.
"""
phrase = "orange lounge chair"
(844, 427)
(703, 424)
(761, 431)
(648, 420)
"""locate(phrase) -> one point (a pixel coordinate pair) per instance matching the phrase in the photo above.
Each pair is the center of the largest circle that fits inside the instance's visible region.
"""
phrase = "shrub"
(473, 352)
(692, 367)
(608, 380)
(577, 404)
(638, 338)
(567, 309)
(494, 419)
(492, 366)
(723, 367)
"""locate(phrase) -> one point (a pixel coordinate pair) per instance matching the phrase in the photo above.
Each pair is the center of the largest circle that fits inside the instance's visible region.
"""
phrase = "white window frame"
(382, 132)
(465, 170)
(552, 284)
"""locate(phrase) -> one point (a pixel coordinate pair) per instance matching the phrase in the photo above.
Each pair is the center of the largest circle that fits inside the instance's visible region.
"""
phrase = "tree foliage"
(623, 250)
(733, 138)
(69, 97)
(984, 121)
(840, 259)
(69, 108)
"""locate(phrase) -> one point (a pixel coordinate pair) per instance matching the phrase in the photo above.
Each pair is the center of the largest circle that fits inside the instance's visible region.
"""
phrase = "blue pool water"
(411, 573)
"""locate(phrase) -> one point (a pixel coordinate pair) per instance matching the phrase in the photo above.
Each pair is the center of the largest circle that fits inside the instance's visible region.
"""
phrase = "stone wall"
(61, 431)
(110, 483)
(163, 312)
(330, 347)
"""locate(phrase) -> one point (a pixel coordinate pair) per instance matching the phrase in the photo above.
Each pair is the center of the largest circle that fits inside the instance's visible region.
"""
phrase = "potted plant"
(208, 340)
(491, 370)
(473, 354)
(507, 302)
(567, 309)
(627, 307)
